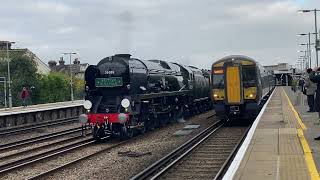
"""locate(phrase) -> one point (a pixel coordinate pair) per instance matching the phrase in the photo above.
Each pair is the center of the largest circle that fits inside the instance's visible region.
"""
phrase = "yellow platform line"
(305, 146)
(303, 127)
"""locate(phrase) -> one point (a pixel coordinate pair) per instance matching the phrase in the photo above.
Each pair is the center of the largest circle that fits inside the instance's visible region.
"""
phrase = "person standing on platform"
(311, 88)
(24, 96)
(301, 84)
(315, 77)
(294, 84)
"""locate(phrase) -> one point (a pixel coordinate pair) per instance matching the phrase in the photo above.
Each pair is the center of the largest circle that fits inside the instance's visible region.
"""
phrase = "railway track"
(26, 161)
(16, 130)
(46, 174)
(38, 139)
(203, 157)
(15, 165)
(57, 169)
(27, 151)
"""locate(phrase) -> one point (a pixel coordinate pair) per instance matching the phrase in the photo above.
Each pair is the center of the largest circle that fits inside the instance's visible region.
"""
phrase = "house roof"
(15, 53)
(76, 68)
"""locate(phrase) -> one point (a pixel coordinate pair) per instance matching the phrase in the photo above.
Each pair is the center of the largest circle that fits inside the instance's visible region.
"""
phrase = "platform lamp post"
(308, 45)
(300, 61)
(304, 58)
(309, 52)
(308, 55)
(298, 66)
(70, 69)
(315, 28)
(9, 78)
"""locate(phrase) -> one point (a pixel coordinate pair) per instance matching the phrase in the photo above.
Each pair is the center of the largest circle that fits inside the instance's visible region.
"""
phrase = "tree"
(54, 88)
(50, 88)
(23, 71)
(78, 86)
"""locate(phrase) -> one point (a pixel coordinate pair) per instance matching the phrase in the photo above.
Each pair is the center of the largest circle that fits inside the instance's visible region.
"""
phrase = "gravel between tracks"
(111, 165)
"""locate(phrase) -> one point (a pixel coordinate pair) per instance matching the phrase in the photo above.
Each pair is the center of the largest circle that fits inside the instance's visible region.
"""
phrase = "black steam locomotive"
(126, 95)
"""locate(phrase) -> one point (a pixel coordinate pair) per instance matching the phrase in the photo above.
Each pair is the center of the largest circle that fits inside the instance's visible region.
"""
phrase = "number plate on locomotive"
(108, 82)
(234, 108)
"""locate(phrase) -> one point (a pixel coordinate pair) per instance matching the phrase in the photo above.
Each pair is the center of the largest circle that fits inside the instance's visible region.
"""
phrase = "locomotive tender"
(126, 95)
(239, 87)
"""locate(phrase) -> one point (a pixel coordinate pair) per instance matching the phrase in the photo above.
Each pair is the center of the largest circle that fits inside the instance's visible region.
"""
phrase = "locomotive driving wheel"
(98, 133)
(126, 133)
(144, 127)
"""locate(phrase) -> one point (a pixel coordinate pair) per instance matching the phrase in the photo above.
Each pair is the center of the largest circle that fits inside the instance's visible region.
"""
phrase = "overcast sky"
(186, 31)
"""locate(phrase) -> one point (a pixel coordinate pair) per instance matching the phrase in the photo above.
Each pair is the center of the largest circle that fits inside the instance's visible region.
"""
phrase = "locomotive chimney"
(123, 55)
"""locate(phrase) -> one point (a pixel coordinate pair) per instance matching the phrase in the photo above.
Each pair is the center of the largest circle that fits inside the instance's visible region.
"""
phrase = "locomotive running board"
(161, 94)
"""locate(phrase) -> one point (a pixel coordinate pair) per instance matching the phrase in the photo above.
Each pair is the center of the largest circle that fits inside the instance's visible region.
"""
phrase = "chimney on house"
(76, 61)
(52, 64)
(61, 61)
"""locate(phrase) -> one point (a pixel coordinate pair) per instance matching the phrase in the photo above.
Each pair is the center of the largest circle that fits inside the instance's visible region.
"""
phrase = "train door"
(233, 84)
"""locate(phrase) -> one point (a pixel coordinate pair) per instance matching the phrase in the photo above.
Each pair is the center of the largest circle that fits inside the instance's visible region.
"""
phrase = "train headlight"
(83, 118)
(122, 118)
(87, 104)
(125, 103)
(218, 94)
(250, 93)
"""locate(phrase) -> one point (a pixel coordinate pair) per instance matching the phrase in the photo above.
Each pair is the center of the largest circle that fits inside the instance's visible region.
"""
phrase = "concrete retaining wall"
(40, 116)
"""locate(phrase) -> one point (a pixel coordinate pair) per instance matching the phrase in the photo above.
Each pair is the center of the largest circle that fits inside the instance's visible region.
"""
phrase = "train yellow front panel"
(233, 84)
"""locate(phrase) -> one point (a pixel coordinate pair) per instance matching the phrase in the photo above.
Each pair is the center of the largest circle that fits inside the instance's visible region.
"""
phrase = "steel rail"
(11, 166)
(24, 142)
(40, 147)
(30, 127)
(212, 115)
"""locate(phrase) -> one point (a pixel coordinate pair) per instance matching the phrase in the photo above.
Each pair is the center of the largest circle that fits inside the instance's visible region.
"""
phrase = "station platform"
(40, 107)
(277, 146)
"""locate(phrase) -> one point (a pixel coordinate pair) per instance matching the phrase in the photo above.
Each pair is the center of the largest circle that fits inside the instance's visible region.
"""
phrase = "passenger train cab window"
(218, 78)
(249, 76)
